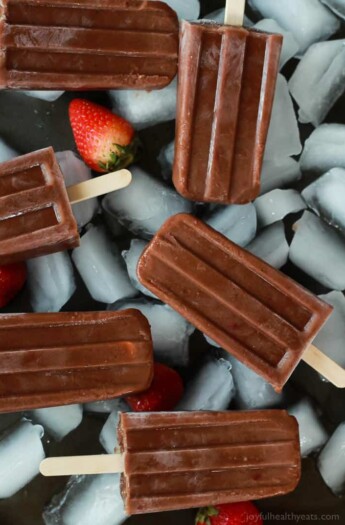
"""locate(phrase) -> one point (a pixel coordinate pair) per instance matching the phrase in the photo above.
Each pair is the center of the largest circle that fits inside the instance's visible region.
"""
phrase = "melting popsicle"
(93, 44)
(35, 207)
(65, 358)
(262, 317)
(226, 85)
(180, 460)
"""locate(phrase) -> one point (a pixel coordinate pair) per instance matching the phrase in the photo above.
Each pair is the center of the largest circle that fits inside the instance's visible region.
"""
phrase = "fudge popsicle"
(253, 311)
(226, 84)
(93, 44)
(35, 207)
(182, 460)
(65, 358)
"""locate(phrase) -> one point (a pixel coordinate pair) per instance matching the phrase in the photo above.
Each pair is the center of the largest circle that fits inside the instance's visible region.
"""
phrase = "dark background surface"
(28, 124)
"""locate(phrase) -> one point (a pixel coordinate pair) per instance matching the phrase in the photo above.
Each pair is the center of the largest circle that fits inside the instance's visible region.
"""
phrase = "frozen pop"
(35, 208)
(65, 358)
(94, 44)
(226, 84)
(181, 460)
(253, 311)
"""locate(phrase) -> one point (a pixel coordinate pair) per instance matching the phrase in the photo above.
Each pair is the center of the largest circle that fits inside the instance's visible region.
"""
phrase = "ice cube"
(252, 391)
(312, 434)
(170, 331)
(237, 222)
(309, 21)
(145, 108)
(102, 268)
(212, 388)
(108, 436)
(326, 197)
(276, 205)
(58, 421)
(75, 171)
(87, 500)
(103, 407)
(271, 245)
(324, 149)
(131, 258)
(331, 337)
(51, 282)
(279, 172)
(218, 17)
(290, 44)
(146, 204)
(283, 138)
(337, 6)
(6, 152)
(332, 461)
(319, 80)
(21, 453)
(166, 160)
(49, 96)
(319, 251)
(189, 10)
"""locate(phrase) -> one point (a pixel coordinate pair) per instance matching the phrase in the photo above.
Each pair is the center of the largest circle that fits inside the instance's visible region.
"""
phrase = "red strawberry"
(105, 141)
(12, 280)
(164, 393)
(230, 514)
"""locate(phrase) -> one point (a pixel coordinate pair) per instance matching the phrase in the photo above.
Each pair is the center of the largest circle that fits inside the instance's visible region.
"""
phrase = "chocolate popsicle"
(93, 44)
(263, 318)
(226, 86)
(65, 358)
(35, 206)
(182, 460)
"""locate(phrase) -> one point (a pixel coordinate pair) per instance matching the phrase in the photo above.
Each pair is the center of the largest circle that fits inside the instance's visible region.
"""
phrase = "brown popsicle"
(35, 214)
(180, 460)
(35, 206)
(64, 358)
(262, 317)
(93, 44)
(226, 85)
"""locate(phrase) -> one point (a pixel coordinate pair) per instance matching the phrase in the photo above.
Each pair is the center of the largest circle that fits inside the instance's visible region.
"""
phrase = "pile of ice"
(189, 10)
(331, 337)
(131, 257)
(145, 108)
(278, 173)
(108, 435)
(6, 152)
(276, 205)
(48, 96)
(312, 434)
(326, 197)
(21, 452)
(308, 20)
(170, 331)
(166, 160)
(102, 268)
(290, 45)
(283, 138)
(87, 500)
(338, 6)
(59, 421)
(237, 222)
(319, 80)
(212, 388)
(145, 205)
(332, 461)
(271, 245)
(51, 282)
(324, 149)
(319, 251)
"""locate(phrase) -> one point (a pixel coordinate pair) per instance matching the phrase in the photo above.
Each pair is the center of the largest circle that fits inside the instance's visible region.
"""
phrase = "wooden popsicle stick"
(234, 12)
(323, 364)
(99, 186)
(74, 465)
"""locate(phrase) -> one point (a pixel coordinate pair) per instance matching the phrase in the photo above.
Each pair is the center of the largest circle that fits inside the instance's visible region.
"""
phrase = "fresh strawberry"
(230, 514)
(105, 141)
(164, 393)
(12, 280)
